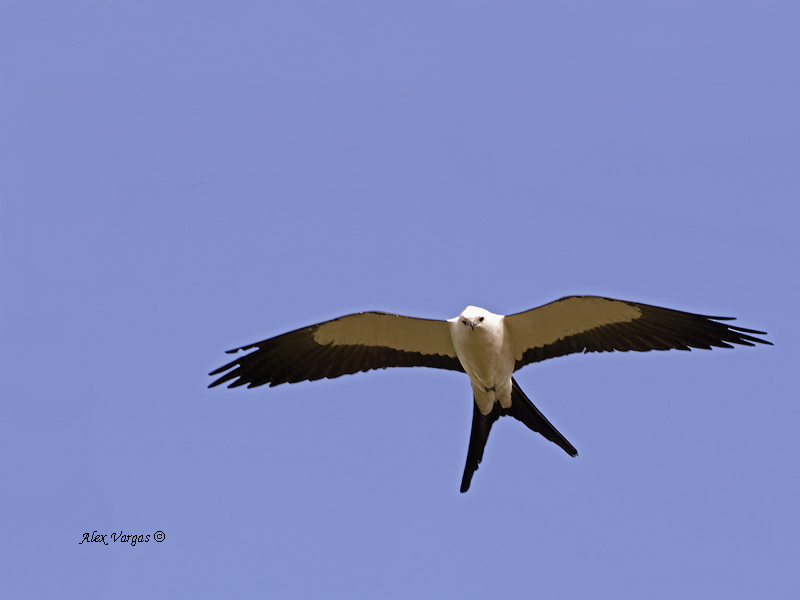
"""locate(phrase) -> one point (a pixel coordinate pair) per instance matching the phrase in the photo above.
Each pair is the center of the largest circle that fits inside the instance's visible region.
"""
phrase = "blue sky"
(181, 178)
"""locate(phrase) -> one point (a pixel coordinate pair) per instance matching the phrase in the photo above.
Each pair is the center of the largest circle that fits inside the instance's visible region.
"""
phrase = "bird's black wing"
(349, 344)
(593, 324)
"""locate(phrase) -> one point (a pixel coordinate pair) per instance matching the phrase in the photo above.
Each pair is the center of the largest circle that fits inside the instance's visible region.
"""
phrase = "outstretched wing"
(594, 324)
(349, 344)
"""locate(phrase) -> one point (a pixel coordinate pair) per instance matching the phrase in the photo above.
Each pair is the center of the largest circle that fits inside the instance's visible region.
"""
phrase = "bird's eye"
(464, 321)
(480, 319)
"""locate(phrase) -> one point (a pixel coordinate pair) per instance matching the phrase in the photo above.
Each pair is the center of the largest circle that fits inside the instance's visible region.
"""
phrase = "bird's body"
(486, 346)
(484, 350)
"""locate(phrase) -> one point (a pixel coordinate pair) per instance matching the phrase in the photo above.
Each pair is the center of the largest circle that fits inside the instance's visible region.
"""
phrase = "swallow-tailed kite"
(485, 346)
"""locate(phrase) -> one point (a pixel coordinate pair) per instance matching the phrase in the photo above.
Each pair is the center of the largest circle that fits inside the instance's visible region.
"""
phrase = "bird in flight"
(485, 346)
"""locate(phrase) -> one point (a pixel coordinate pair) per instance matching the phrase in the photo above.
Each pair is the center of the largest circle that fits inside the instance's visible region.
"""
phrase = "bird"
(488, 347)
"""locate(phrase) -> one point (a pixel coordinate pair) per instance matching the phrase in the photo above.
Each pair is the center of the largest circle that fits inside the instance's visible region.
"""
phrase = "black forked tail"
(521, 409)
(481, 425)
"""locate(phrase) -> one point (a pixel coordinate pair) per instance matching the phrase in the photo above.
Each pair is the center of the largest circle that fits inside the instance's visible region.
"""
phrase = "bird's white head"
(476, 318)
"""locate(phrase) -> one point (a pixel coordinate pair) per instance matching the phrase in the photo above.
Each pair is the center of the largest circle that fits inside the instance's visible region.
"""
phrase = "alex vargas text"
(115, 537)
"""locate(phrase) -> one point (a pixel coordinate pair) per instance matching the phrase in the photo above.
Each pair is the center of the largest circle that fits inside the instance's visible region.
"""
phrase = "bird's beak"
(472, 325)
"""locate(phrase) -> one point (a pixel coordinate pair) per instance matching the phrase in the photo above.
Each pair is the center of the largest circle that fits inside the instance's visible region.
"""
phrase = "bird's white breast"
(484, 349)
